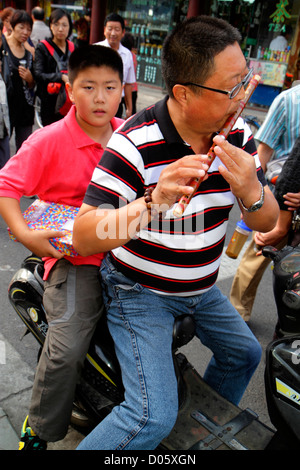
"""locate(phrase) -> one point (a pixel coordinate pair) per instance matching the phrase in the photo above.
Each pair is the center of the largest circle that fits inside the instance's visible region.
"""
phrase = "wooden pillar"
(98, 15)
(29, 6)
(197, 7)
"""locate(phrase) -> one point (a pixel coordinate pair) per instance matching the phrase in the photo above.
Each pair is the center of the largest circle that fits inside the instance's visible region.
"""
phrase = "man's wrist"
(257, 204)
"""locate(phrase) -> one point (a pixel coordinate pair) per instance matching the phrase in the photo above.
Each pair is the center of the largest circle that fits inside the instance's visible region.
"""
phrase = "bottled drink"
(238, 239)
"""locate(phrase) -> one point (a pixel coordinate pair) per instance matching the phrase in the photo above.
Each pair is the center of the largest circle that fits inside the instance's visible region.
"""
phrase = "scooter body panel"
(205, 421)
(282, 378)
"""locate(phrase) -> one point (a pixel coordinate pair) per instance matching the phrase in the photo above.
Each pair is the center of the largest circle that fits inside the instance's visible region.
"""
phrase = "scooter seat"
(183, 331)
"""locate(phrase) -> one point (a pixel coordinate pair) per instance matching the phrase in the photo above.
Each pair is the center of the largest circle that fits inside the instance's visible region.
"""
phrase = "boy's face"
(96, 93)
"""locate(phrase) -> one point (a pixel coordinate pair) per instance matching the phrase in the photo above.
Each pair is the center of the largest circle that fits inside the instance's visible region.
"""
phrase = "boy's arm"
(36, 241)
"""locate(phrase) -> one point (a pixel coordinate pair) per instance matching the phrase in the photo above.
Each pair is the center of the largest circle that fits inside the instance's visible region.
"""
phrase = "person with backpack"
(17, 70)
(56, 164)
(50, 66)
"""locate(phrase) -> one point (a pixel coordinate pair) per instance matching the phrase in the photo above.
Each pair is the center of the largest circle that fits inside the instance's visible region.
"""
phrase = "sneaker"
(29, 440)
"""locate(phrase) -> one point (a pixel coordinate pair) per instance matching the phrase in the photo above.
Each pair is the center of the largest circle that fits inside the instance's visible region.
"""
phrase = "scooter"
(206, 421)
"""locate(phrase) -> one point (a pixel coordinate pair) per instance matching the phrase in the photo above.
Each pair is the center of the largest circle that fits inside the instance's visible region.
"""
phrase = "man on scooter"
(160, 266)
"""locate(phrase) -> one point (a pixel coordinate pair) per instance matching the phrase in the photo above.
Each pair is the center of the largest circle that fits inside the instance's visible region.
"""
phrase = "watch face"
(255, 206)
(258, 204)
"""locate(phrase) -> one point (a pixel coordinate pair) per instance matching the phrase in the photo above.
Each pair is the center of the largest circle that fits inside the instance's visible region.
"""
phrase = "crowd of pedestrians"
(34, 62)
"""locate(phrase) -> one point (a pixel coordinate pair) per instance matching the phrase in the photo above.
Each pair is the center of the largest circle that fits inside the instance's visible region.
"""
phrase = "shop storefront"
(272, 47)
(259, 22)
(149, 21)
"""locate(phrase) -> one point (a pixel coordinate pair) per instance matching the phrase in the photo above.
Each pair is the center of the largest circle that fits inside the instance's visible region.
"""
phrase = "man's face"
(209, 109)
(113, 32)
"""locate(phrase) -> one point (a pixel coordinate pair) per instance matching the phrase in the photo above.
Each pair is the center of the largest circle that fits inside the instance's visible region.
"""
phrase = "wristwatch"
(258, 204)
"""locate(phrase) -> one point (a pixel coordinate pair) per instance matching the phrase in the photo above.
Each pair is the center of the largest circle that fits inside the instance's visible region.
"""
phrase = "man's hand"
(174, 179)
(239, 171)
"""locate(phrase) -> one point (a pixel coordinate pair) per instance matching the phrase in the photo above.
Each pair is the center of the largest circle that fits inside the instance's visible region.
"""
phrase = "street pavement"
(17, 358)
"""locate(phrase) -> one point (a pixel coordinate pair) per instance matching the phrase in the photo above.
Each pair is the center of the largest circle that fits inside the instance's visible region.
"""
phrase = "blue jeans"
(141, 324)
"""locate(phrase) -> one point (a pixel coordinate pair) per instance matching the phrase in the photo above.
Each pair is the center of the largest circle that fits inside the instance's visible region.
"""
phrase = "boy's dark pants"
(73, 302)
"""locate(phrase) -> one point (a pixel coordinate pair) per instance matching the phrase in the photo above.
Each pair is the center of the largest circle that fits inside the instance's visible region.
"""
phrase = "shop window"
(261, 22)
(149, 21)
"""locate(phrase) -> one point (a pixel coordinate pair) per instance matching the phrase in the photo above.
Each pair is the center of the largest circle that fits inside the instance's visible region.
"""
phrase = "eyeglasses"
(232, 93)
(61, 25)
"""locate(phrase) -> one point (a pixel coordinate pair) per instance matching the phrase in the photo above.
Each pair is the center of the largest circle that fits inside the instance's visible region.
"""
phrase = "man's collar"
(165, 122)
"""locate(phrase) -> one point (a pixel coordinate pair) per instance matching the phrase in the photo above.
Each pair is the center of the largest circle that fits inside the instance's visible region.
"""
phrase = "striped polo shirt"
(173, 256)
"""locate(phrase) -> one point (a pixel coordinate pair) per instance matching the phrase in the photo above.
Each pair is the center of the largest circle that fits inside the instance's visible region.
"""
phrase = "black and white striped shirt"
(173, 256)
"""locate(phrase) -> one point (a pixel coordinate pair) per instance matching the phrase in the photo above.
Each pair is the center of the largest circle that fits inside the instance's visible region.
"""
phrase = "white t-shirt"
(126, 56)
(278, 44)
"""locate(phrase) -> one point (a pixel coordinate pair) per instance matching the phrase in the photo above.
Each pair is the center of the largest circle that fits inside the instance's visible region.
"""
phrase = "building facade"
(149, 21)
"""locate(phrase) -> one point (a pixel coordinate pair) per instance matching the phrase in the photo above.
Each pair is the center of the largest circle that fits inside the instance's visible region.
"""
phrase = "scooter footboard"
(206, 421)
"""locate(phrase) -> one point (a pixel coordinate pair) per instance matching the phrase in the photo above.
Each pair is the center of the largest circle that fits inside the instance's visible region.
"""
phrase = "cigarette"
(195, 182)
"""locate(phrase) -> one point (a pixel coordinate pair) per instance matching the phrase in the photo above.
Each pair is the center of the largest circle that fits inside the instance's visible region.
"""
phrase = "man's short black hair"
(94, 55)
(115, 17)
(188, 53)
(38, 13)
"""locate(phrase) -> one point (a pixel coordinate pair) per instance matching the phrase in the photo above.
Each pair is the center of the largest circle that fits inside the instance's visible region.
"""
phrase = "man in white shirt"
(114, 29)
(40, 30)
(281, 42)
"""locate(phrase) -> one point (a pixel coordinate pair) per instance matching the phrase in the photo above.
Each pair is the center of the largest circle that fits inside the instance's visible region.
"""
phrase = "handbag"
(294, 233)
(274, 168)
(63, 102)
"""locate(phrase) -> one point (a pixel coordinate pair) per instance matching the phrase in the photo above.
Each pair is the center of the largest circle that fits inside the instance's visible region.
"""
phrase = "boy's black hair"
(114, 17)
(94, 55)
(20, 16)
(56, 15)
(189, 52)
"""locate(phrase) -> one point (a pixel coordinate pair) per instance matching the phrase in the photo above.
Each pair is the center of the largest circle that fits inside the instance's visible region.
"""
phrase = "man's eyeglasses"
(232, 93)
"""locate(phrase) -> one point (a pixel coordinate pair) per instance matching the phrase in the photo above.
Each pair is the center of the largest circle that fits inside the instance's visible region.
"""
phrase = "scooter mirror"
(269, 252)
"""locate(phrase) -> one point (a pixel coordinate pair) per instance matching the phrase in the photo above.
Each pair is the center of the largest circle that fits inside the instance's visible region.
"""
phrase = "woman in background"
(18, 76)
(46, 69)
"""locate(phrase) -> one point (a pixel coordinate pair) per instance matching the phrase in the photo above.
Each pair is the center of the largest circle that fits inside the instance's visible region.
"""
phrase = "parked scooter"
(206, 421)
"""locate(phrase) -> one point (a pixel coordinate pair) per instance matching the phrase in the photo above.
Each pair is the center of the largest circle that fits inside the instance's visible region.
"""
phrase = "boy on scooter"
(160, 266)
(56, 164)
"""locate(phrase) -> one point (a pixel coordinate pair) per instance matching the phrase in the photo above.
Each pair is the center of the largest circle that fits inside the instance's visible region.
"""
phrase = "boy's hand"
(38, 242)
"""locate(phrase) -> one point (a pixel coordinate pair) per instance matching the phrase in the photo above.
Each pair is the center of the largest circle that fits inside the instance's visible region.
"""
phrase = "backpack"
(63, 103)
